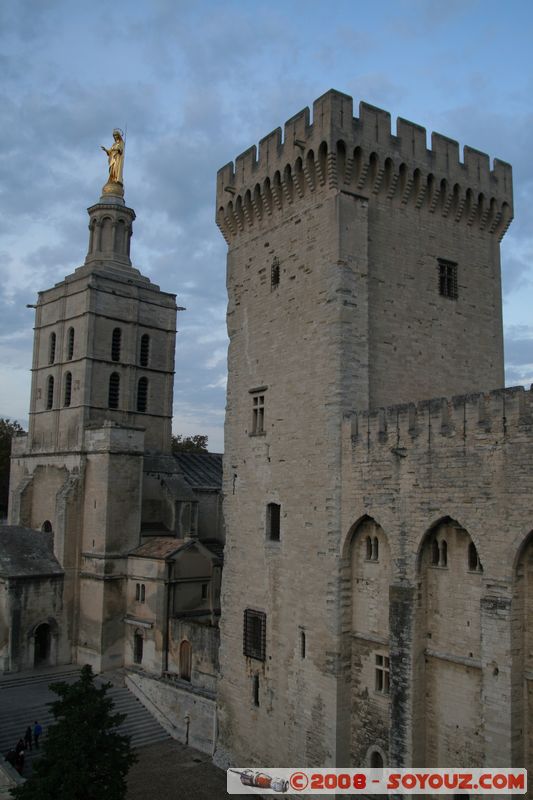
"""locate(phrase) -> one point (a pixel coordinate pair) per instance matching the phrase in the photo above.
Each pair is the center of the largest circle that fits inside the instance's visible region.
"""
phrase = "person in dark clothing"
(19, 756)
(11, 757)
(37, 730)
(28, 738)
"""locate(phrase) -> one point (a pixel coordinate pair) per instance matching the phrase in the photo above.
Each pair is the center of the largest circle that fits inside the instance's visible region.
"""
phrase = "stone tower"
(363, 270)
(101, 400)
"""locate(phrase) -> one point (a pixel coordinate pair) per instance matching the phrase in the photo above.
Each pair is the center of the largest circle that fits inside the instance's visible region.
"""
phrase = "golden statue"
(115, 157)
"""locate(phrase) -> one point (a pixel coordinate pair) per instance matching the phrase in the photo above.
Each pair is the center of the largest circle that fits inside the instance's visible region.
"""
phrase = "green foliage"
(189, 444)
(83, 756)
(8, 429)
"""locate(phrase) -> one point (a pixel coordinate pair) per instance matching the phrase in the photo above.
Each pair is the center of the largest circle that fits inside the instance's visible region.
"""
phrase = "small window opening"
(255, 690)
(273, 522)
(142, 596)
(142, 395)
(376, 760)
(368, 543)
(46, 527)
(137, 591)
(254, 634)
(114, 390)
(115, 344)
(435, 552)
(145, 350)
(258, 418)
(70, 344)
(185, 660)
(50, 392)
(375, 549)
(274, 274)
(302, 644)
(474, 563)
(443, 562)
(448, 279)
(204, 591)
(382, 674)
(68, 388)
(138, 648)
(52, 349)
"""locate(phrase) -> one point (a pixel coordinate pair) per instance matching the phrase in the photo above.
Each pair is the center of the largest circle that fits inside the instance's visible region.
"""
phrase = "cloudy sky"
(197, 82)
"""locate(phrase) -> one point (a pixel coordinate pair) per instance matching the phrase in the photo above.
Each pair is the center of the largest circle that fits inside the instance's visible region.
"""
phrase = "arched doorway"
(185, 660)
(43, 642)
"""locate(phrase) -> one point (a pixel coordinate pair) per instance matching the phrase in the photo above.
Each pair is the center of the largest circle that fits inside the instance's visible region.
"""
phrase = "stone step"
(20, 679)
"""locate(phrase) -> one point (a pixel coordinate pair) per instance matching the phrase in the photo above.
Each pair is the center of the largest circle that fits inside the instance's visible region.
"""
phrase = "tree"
(83, 756)
(8, 429)
(189, 444)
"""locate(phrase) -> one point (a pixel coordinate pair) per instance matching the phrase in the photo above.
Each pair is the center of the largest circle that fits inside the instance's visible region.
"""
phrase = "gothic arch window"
(145, 350)
(52, 348)
(114, 390)
(368, 543)
(376, 760)
(68, 389)
(50, 392)
(46, 527)
(443, 548)
(185, 660)
(70, 344)
(116, 341)
(142, 395)
(375, 549)
(435, 555)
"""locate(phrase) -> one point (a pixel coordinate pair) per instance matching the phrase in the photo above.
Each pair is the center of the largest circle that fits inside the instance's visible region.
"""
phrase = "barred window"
(70, 344)
(115, 344)
(448, 279)
(254, 634)
(52, 349)
(145, 350)
(142, 394)
(258, 413)
(114, 390)
(68, 389)
(50, 392)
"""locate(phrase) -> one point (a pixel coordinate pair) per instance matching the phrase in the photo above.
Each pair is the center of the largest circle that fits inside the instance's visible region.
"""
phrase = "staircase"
(24, 698)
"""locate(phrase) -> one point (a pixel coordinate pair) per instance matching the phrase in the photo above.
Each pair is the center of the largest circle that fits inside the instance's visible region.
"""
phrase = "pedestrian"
(19, 756)
(37, 730)
(28, 738)
(11, 757)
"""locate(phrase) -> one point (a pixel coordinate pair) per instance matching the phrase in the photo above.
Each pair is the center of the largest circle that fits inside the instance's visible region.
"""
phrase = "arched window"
(435, 552)
(68, 389)
(142, 394)
(50, 392)
(46, 527)
(114, 390)
(376, 760)
(185, 660)
(368, 542)
(474, 563)
(145, 350)
(115, 344)
(443, 562)
(375, 549)
(138, 643)
(52, 348)
(70, 344)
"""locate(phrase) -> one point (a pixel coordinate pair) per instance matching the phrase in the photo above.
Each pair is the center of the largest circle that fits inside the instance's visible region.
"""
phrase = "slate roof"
(201, 470)
(25, 552)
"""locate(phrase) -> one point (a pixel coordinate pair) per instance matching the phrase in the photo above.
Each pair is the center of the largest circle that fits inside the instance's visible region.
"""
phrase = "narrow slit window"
(137, 592)
(368, 545)
(49, 392)
(274, 274)
(303, 644)
(68, 389)
(375, 549)
(435, 552)
(448, 279)
(185, 660)
(116, 341)
(70, 344)
(255, 690)
(443, 561)
(142, 395)
(145, 350)
(114, 390)
(273, 522)
(138, 648)
(52, 349)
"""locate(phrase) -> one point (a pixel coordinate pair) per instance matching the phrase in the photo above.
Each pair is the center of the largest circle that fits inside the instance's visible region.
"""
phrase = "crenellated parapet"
(429, 424)
(340, 152)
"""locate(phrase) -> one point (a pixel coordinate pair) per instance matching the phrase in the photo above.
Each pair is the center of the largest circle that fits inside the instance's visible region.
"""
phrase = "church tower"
(101, 402)
(363, 270)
